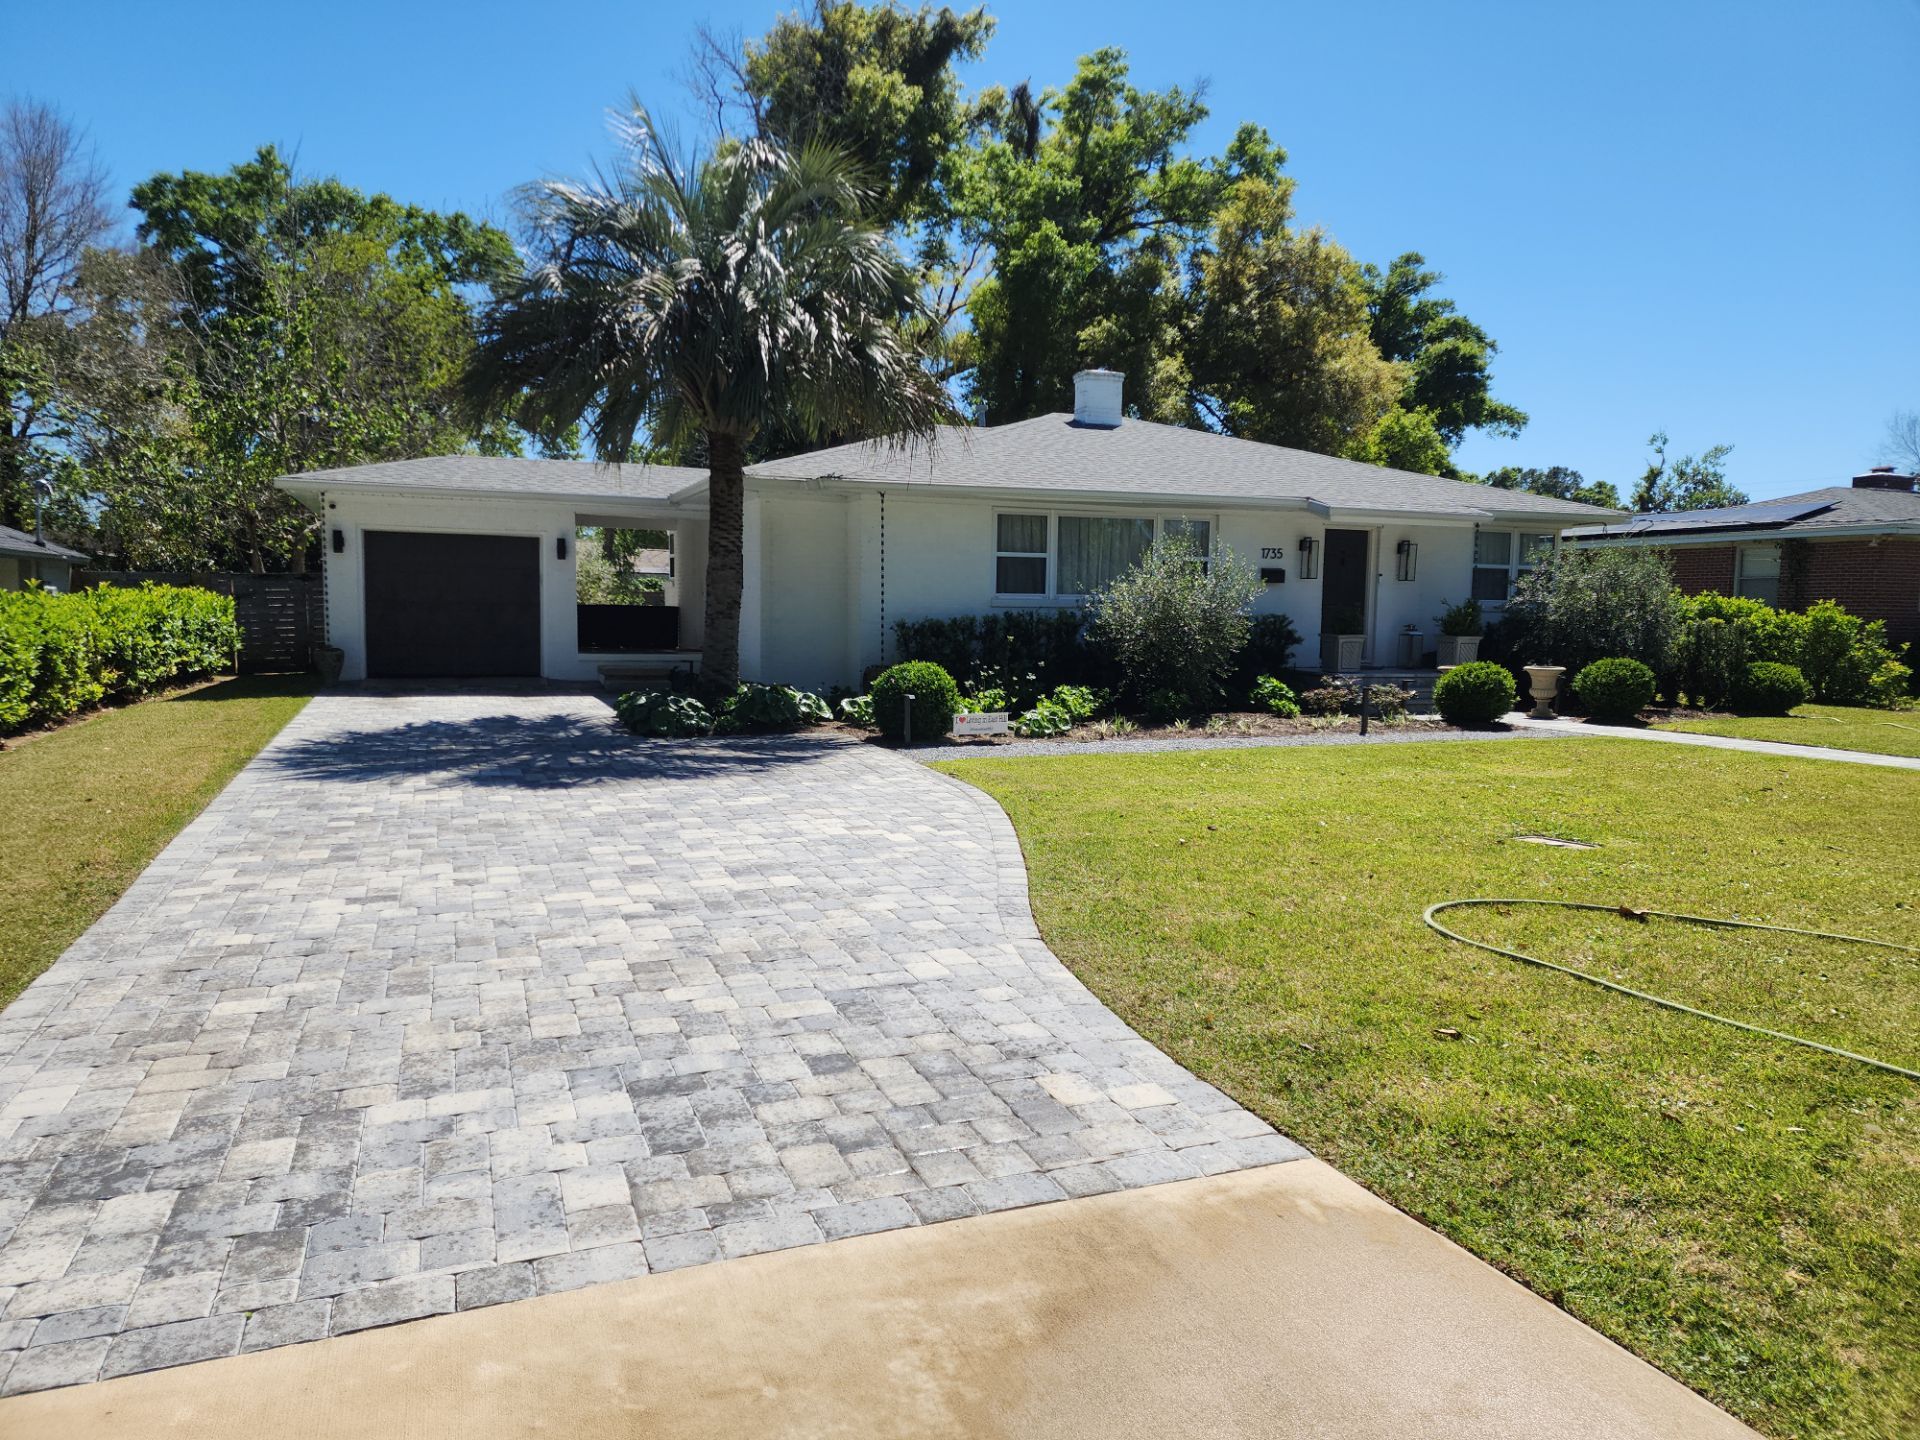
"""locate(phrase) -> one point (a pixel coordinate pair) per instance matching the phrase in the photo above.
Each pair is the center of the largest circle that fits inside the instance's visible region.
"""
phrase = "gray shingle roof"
(19, 543)
(1138, 457)
(503, 475)
(1848, 509)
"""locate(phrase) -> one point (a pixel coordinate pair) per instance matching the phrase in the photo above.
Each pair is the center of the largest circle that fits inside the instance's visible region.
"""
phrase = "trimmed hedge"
(1615, 688)
(1768, 688)
(1477, 693)
(61, 653)
(935, 697)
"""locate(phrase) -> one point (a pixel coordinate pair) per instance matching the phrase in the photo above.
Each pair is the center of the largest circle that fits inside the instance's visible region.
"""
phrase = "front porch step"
(637, 672)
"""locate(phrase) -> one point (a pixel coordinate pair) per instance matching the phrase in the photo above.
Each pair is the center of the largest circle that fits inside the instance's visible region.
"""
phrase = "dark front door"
(1343, 583)
(452, 605)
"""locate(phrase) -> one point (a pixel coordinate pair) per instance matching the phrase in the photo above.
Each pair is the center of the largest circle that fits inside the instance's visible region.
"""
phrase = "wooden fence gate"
(282, 617)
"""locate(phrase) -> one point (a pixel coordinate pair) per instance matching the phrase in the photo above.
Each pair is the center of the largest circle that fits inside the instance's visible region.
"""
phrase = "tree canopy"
(1686, 483)
(1557, 482)
(286, 324)
(1078, 226)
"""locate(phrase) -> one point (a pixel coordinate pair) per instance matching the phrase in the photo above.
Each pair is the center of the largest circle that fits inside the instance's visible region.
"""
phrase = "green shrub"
(1767, 688)
(1579, 606)
(1844, 657)
(1081, 702)
(1023, 652)
(60, 653)
(1163, 707)
(1174, 623)
(1276, 698)
(1462, 619)
(1477, 693)
(988, 701)
(1271, 640)
(1044, 719)
(1615, 689)
(935, 698)
(857, 710)
(662, 713)
(766, 708)
(1338, 695)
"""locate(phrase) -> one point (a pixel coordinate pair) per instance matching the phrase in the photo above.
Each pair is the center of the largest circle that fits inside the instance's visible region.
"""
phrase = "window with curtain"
(1759, 577)
(1198, 532)
(1492, 565)
(1096, 549)
(1020, 559)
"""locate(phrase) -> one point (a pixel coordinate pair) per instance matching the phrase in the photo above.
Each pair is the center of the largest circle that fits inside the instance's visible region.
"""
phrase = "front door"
(1344, 583)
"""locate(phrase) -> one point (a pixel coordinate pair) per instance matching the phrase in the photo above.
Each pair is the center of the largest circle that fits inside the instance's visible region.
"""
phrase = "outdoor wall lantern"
(560, 547)
(339, 542)
(1309, 557)
(1408, 561)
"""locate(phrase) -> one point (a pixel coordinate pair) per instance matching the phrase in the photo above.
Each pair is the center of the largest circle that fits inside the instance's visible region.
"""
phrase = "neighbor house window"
(1020, 557)
(1095, 550)
(1500, 558)
(1759, 577)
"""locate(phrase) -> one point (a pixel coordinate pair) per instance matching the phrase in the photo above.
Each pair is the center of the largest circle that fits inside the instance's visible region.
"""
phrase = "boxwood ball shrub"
(935, 698)
(1769, 688)
(1615, 688)
(1477, 693)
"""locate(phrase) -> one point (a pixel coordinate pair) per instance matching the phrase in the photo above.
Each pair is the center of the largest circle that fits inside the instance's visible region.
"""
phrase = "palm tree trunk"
(726, 565)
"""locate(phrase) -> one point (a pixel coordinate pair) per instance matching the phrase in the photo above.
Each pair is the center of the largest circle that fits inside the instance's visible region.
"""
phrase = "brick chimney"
(1884, 477)
(1096, 398)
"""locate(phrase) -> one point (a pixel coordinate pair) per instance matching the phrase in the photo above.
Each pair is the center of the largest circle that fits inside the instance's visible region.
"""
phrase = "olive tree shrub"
(1175, 623)
(1585, 605)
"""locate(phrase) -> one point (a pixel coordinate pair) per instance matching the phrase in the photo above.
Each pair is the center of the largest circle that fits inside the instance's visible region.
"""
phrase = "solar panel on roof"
(1741, 517)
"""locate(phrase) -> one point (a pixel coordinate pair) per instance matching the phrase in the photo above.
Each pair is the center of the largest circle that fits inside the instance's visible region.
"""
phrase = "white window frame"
(1517, 563)
(1053, 596)
(1045, 594)
(1740, 577)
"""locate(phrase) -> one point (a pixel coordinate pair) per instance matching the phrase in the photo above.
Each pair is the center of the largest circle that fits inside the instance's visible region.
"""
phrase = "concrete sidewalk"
(1282, 1301)
(1521, 721)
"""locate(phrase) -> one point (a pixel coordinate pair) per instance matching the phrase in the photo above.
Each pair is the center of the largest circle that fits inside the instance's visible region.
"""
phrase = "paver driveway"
(455, 999)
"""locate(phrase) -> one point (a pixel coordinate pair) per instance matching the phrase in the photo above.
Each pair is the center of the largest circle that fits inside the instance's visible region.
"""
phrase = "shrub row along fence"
(60, 654)
(281, 617)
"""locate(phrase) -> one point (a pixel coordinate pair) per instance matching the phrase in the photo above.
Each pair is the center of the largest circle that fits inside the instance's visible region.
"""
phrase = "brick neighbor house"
(1858, 544)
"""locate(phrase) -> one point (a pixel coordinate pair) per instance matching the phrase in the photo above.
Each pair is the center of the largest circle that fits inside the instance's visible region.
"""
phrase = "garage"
(455, 606)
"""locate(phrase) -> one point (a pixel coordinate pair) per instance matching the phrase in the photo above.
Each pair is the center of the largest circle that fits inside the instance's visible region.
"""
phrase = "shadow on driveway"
(534, 752)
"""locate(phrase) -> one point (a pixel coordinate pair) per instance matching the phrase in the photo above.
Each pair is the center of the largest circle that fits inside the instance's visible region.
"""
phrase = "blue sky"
(1698, 216)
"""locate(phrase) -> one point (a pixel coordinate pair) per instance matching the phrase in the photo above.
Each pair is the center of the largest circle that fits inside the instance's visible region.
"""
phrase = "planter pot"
(328, 659)
(1341, 653)
(1543, 683)
(1458, 649)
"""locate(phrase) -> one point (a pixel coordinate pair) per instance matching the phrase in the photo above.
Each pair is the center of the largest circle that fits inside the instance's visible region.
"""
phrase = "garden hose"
(1622, 910)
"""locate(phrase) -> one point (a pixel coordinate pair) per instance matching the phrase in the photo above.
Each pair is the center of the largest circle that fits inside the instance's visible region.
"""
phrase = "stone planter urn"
(328, 659)
(1340, 653)
(1457, 649)
(1543, 683)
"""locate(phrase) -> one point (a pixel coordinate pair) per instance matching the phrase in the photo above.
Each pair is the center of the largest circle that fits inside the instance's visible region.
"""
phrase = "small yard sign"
(986, 722)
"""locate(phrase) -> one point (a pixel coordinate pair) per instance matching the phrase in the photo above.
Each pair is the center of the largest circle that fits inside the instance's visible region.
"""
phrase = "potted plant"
(1460, 628)
(328, 660)
(1342, 639)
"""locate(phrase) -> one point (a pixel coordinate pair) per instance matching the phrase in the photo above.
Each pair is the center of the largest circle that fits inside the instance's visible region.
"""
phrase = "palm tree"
(706, 301)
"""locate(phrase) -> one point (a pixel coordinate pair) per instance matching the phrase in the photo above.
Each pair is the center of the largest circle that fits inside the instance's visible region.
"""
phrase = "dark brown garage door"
(452, 605)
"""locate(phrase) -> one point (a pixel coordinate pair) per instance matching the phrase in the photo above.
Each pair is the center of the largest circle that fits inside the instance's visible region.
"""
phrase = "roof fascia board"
(315, 495)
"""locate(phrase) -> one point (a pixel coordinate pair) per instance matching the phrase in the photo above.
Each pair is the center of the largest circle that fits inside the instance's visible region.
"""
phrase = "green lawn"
(1840, 727)
(1741, 1212)
(88, 806)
